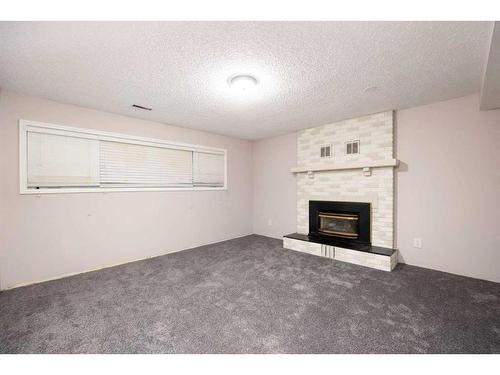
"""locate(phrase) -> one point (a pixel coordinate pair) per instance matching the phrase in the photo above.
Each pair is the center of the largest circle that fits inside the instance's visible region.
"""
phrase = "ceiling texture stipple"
(309, 73)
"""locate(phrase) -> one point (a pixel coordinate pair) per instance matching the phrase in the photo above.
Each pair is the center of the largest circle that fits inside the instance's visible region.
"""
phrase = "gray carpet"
(249, 295)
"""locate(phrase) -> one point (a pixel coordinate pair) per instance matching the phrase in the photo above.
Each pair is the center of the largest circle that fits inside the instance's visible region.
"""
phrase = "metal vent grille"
(328, 251)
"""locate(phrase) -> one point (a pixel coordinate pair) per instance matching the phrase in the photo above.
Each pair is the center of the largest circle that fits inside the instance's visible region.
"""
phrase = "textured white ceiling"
(310, 73)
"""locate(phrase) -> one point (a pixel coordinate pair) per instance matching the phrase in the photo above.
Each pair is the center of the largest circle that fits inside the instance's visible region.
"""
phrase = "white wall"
(275, 193)
(447, 188)
(48, 236)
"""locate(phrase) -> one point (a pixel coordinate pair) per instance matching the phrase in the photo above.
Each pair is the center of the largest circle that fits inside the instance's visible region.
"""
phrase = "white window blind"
(208, 169)
(56, 158)
(138, 165)
(58, 161)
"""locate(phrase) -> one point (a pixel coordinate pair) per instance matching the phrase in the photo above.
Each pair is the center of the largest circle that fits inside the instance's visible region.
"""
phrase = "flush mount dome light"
(243, 82)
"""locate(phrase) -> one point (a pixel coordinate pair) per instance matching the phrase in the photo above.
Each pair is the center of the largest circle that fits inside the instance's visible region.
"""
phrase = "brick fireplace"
(350, 161)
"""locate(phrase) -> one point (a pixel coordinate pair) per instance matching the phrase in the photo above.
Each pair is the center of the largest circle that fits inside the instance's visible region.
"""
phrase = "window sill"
(112, 190)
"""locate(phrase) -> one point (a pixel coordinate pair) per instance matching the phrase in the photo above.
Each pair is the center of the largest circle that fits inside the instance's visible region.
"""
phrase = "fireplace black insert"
(345, 221)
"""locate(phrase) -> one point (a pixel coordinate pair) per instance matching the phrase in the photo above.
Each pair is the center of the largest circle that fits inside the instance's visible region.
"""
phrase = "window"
(57, 159)
(326, 151)
(352, 147)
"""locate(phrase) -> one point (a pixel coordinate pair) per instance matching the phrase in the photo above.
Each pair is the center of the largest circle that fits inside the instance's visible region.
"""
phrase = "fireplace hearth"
(345, 221)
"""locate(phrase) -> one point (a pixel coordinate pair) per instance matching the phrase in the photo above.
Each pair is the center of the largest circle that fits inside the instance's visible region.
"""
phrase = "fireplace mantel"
(344, 166)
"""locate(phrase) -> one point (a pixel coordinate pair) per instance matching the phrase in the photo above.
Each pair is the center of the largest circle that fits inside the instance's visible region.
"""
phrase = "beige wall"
(53, 235)
(448, 193)
(275, 196)
(447, 188)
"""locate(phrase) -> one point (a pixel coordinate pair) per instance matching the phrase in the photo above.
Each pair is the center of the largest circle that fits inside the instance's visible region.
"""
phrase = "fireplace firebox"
(346, 221)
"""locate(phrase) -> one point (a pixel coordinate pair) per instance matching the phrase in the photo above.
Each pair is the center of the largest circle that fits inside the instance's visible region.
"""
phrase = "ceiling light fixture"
(243, 82)
(370, 89)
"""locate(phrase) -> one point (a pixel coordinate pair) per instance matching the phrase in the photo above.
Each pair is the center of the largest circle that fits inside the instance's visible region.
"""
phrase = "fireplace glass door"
(338, 224)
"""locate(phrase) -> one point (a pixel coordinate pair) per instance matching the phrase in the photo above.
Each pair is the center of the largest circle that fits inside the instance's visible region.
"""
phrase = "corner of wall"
(274, 204)
(2, 194)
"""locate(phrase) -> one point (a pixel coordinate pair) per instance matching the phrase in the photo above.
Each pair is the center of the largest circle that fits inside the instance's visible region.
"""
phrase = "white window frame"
(352, 142)
(46, 128)
(325, 146)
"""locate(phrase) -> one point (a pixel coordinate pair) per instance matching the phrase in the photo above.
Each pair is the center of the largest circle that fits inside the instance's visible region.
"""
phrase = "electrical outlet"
(417, 242)
(269, 222)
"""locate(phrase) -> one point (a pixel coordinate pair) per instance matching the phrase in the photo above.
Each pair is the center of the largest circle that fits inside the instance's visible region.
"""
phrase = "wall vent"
(141, 107)
(352, 147)
(328, 251)
(326, 151)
